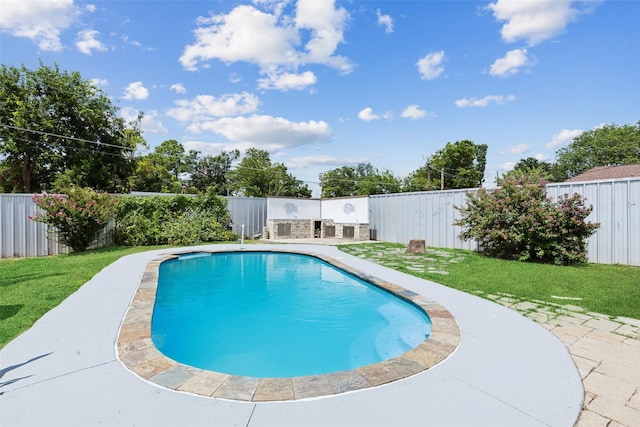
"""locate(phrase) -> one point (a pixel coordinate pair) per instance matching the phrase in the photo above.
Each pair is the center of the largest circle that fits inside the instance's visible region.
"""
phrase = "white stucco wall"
(352, 210)
(289, 208)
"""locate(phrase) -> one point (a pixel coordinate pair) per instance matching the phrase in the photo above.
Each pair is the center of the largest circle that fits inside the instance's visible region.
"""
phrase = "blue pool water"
(269, 314)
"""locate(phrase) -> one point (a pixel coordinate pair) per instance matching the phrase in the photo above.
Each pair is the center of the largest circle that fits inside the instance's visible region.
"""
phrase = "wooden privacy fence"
(396, 218)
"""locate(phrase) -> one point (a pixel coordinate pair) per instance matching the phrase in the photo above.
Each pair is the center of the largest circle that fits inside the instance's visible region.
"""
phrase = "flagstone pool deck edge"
(138, 353)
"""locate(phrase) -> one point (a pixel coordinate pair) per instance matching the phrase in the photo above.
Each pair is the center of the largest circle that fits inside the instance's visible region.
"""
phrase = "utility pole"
(442, 179)
(429, 176)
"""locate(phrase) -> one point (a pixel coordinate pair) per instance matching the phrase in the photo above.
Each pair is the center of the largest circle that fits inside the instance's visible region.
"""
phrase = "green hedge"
(173, 220)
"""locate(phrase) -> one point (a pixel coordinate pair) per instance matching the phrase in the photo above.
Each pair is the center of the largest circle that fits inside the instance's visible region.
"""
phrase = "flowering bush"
(78, 215)
(519, 221)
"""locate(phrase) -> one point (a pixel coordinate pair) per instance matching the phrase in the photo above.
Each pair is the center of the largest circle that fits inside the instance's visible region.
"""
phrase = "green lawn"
(608, 289)
(29, 287)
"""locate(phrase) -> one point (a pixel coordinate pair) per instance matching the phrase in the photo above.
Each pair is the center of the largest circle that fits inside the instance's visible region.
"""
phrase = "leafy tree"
(425, 178)
(339, 182)
(55, 123)
(160, 170)
(463, 163)
(151, 175)
(518, 221)
(172, 156)
(361, 180)
(210, 172)
(379, 182)
(607, 145)
(529, 167)
(256, 176)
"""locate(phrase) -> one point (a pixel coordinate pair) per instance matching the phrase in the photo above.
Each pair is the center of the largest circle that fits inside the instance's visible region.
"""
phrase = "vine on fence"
(174, 220)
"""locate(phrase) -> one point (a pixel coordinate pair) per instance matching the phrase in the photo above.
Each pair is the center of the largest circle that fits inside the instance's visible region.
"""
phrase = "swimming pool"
(274, 314)
(137, 352)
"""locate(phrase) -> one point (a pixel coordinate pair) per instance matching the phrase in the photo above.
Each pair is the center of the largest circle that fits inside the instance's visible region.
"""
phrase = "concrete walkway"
(507, 370)
(606, 351)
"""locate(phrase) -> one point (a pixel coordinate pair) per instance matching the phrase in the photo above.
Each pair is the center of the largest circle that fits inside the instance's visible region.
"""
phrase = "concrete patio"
(507, 370)
(606, 351)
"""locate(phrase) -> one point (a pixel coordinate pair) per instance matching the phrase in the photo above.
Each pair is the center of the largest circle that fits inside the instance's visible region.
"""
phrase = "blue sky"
(322, 84)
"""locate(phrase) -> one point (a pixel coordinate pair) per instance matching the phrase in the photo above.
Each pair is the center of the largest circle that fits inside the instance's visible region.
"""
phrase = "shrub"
(518, 221)
(79, 215)
(214, 204)
(193, 227)
(140, 220)
(175, 220)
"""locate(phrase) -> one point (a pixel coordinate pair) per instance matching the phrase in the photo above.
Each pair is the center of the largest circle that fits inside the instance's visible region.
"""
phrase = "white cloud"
(213, 148)
(245, 34)
(507, 166)
(125, 38)
(207, 107)
(129, 114)
(367, 115)
(100, 82)
(178, 88)
(565, 136)
(150, 121)
(136, 90)
(87, 41)
(483, 102)
(519, 149)
(277, 6)
(326, 24)
(414, 112)
(267, 132)
(386, 21)
(323, 160)
(430, 66)
(42, 21)
(271, 40)
(511, 63)
(536, 20)
(286, 81)
(541, 157)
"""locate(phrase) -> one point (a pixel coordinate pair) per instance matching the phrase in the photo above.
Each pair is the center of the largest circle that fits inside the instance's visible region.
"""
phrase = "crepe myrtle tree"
(518, 221)
(77, 216)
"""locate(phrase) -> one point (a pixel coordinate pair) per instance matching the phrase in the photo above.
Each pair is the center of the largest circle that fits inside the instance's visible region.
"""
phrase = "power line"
(71, 147)
(103, 144)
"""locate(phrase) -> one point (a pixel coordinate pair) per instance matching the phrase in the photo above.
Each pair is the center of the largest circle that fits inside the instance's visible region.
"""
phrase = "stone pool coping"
(137, 352)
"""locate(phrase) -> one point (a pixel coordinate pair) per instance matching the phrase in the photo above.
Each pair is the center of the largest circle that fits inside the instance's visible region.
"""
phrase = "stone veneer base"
(137, 352)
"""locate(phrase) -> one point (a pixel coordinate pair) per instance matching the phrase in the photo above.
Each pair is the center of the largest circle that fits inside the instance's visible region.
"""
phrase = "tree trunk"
(27, 170)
